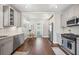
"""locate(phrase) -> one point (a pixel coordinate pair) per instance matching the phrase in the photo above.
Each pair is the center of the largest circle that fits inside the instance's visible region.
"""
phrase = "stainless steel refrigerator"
(51, 32)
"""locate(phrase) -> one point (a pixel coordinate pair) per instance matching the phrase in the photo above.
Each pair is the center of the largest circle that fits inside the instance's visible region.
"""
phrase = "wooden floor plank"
(37, 46)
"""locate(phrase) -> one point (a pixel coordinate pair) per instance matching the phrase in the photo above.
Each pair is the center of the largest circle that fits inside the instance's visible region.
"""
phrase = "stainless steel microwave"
(73, 22)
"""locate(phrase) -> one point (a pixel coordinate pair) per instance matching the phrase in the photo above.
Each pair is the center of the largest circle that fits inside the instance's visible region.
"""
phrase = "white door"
(39, 30)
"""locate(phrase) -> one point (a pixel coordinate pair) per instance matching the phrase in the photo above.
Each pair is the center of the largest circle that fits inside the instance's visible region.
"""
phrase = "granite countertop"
(70, 35)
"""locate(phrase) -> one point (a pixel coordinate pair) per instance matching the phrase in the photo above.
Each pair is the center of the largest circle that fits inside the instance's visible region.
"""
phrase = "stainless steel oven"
(69, 45)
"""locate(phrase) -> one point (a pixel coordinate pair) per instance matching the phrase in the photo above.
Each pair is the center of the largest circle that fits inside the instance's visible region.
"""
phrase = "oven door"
(71, 46)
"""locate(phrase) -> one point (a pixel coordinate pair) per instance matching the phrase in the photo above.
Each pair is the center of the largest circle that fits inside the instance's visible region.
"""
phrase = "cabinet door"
(0, 49)
(21, 38)
(76, 10)
(16, 42)
(63, 21)
(19, 19)
(6, 15)
(64, 42)
(78, 46)
(11, 16)
(15, 18)
(1, 16)
(7, 47)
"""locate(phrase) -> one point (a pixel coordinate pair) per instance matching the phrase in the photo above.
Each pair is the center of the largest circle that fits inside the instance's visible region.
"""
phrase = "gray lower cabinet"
(9, 44)
(78, 46)
(6, 46)
(21, 38)
(18, 40)
(64, 44)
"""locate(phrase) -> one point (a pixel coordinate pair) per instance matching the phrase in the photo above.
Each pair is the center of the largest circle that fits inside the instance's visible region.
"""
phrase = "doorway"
(39, 30)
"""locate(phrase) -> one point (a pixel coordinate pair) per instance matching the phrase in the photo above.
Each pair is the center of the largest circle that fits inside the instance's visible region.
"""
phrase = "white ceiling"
(37, 16)
(41, 7)
(37, 12)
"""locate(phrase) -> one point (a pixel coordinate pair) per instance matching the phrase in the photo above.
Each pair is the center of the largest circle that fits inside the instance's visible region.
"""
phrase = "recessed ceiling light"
(53, 6)
(25, 6)
(56, 6)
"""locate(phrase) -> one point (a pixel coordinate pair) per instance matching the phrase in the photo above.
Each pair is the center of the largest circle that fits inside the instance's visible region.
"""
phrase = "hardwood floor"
(37, 46)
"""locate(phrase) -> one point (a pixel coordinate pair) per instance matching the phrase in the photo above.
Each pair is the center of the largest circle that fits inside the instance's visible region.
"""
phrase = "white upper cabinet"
(17, 18)
(8, 13)
(76, 10)
(1, 16)
(64, 19)
(11, 16)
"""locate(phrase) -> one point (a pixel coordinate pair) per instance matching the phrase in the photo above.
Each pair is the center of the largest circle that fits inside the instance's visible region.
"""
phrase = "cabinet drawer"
(6, 46)
(4, 40)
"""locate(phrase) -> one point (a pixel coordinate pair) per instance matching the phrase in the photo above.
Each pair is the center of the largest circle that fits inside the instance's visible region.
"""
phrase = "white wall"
(67, 14)
(45, 28)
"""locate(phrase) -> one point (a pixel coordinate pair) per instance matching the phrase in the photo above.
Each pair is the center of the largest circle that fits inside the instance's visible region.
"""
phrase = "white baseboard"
(46, 36)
